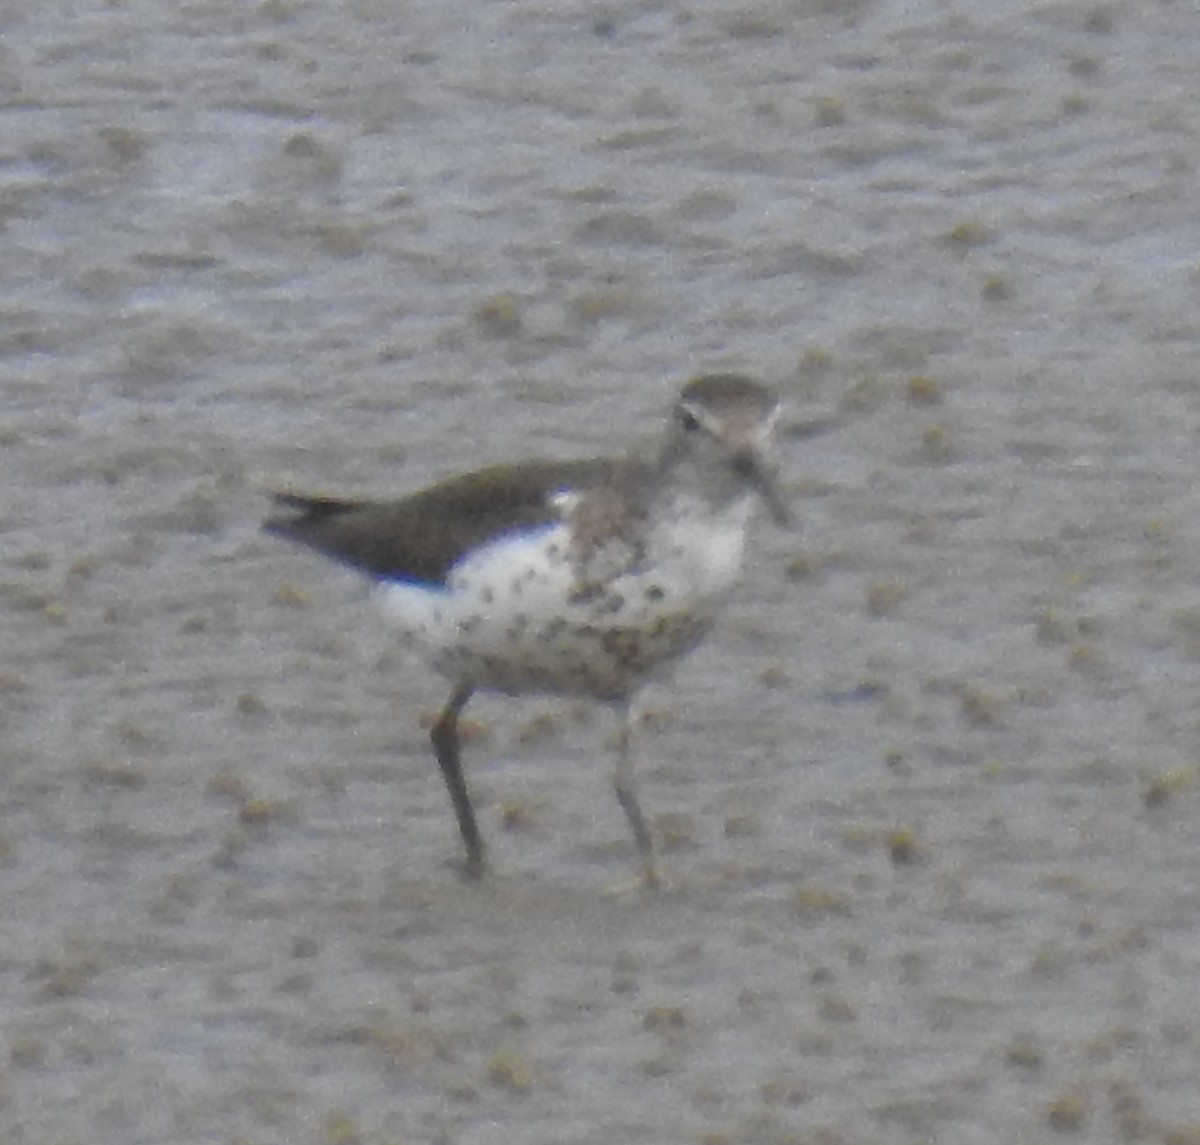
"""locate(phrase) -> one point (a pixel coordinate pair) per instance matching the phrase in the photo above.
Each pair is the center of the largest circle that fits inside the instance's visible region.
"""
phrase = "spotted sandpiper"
(570, 578)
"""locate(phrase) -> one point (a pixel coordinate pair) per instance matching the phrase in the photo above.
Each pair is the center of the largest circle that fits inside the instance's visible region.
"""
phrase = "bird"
(582, 578)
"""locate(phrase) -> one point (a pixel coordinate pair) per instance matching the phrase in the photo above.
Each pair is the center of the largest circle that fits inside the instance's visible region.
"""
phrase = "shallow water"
(928, 795)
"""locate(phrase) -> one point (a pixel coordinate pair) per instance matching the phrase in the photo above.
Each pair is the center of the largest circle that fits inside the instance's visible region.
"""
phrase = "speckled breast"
(530, 614)
(572, 655)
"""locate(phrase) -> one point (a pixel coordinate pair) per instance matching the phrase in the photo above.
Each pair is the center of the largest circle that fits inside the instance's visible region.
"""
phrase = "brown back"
(420, 538)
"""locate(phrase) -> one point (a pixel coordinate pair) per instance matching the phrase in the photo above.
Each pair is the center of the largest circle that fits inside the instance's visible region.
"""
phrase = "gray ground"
(929, 796)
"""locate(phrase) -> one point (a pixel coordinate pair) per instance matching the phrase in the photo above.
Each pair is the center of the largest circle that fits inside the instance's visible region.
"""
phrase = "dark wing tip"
(312, 521)
(301, 509)
(373, 537)
(291, 500)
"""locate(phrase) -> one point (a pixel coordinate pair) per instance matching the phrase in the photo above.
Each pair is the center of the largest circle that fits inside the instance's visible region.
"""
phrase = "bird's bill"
(763, 481)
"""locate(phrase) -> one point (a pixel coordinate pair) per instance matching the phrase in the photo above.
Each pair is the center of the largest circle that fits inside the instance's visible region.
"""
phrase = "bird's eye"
(688, 421)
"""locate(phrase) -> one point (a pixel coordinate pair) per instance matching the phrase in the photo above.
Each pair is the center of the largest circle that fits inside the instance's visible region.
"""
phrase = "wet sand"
(928, 796)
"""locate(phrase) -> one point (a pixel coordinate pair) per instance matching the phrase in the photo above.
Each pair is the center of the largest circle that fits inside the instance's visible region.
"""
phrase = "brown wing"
(423, 536)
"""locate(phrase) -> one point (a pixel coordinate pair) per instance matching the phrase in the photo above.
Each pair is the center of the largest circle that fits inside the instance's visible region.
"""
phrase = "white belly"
(521, 616)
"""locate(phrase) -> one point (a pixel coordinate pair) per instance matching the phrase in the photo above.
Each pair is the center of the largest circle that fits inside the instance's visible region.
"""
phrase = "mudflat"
(928, 797)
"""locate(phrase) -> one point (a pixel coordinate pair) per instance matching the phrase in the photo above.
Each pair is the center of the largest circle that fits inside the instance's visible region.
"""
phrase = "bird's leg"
(626, 788)
(446, 747)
